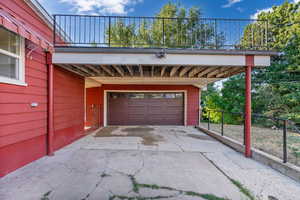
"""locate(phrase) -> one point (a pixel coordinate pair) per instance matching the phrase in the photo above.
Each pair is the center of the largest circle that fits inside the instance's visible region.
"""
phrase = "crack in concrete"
(249, 196)
(143, 164)
(98, 183)
(137, 185)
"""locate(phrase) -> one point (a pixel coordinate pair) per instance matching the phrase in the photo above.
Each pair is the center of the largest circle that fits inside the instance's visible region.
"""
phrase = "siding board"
(68, 107)
(22, 126)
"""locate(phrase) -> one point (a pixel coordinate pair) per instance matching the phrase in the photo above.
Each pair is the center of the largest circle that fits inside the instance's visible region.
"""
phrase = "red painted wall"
(68, 107)
(192, 97)
(23, 129)
(93, 102)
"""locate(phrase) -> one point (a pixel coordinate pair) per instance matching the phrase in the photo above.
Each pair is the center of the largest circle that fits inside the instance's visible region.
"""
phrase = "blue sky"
(210, 8)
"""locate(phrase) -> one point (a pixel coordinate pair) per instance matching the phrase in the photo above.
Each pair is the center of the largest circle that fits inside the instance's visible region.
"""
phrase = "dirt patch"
(106, 131)
(149, 139)
(200, 137)
(264, 139)
(138, 129)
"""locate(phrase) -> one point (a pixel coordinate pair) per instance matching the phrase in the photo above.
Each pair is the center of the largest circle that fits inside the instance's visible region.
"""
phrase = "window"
(136, 96)
(170, 96)
(11, 58)
(156, 96)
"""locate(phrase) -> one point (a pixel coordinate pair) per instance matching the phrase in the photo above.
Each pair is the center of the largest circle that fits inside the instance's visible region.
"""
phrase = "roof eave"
(41, 12)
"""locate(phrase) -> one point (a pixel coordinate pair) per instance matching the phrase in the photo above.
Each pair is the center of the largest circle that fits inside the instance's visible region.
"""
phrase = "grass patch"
(264, 139)
(136, 188)
(211, 197)
(244, 190)
(135, 184)
(46, 195)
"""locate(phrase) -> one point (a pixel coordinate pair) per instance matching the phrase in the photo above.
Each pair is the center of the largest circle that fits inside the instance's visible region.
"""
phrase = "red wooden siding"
(22, 126)
(23, 13)
(68, 107)
(192, 97)
(23, 129)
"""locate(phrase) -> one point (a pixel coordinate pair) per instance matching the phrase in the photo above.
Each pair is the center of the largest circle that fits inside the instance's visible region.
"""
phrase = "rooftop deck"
(166, 33)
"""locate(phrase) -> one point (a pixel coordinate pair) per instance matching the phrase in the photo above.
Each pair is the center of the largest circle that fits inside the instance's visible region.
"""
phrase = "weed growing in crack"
(242, 189)
(46, 195)
(103, 175)
(135, 184)
(211, 197)
(136, 188)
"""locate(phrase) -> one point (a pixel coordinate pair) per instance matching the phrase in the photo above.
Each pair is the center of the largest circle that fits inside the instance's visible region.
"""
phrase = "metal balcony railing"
(276, 136)
(155, 32)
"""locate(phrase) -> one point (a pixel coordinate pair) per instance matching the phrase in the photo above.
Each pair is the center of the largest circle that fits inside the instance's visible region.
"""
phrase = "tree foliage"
(276, 89)
(174, 26)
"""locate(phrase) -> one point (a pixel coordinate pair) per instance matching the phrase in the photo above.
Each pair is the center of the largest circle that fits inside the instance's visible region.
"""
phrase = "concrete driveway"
(143, 163)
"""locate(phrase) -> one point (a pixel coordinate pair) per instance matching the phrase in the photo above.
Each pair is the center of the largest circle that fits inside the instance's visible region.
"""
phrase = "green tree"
(276, 89)
(173, 27)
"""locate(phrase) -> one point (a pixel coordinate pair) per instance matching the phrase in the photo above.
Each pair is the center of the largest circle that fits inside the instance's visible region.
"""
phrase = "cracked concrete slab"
(182, 159)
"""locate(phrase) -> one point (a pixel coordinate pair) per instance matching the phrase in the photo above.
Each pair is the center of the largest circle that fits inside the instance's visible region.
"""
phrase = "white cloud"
(231, 3)
(102, 6)
(255, 15)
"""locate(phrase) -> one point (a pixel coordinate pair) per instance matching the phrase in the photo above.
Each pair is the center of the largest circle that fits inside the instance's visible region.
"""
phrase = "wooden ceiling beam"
(206, 71)
(236, 71)
(163, 70)
(196, 70)
(141, 70)
(185, 70)
(174, 70)
(69, 68)
(107, 70)
(119, 70)
(82, 68)
(214, 73)
(152, 70)
(94, 69)
(130, 70)
(226, 73)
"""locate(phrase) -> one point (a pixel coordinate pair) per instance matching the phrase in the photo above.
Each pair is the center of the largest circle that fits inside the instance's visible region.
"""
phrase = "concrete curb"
(287, 169)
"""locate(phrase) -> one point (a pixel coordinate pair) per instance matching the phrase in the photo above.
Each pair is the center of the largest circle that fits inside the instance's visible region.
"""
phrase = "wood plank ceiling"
(152, 71)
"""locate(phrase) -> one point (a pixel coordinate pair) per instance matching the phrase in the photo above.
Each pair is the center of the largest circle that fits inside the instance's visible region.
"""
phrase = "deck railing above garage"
(154, 32)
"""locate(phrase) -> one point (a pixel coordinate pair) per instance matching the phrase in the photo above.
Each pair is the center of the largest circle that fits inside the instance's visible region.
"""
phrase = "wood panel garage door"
(145, 108)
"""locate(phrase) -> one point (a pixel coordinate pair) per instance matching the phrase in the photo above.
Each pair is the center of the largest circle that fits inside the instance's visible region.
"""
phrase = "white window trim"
(21, 67)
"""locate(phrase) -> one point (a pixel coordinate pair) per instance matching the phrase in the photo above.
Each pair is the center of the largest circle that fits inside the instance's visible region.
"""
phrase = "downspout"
(50, 128)
(249, 66)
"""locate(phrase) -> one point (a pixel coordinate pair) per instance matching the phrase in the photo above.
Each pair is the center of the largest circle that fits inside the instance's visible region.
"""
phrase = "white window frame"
(21, 65)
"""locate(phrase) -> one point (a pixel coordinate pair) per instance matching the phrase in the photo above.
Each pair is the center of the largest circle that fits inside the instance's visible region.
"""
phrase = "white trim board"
(155, 80)
(105, 109)
(151, 59)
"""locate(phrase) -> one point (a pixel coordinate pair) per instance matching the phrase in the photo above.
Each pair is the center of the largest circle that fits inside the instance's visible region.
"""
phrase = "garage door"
(145, 108)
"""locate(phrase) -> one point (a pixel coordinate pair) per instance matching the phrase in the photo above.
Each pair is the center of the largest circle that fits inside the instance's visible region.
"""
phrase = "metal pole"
(163, 23)
(244, 117)
(50, 128)
(109, 30)
(222, 129)
(284, 141)
(249, 65)
(208, 124)
(267, 35)
(54, 30)
(216, 37)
